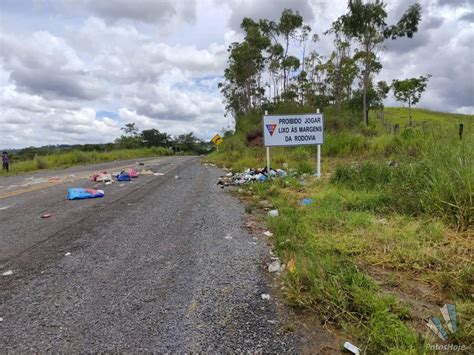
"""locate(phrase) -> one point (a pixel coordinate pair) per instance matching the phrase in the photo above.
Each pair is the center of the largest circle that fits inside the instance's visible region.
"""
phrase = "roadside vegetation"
(391, 223)
(131, 145)
(387, 239)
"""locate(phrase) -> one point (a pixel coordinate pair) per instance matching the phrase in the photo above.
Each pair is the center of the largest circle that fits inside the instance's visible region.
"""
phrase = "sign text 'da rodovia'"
(293, 130)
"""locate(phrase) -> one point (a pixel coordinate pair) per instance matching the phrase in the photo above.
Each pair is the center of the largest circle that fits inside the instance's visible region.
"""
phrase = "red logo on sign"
(271, 128)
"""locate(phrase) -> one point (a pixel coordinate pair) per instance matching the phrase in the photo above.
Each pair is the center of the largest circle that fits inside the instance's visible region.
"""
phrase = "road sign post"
(293, 130)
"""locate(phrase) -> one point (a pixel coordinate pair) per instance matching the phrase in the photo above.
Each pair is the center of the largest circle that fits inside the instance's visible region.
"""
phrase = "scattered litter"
(108, 183)
(176, 177)
(4, 208)
(121, 185)
(101, 177)
(67, 254)
(133, 173)
(46, 215)
(145, 172)
(248, 176)
(1, 319)
(273, 213)
(306, 202)
(228, 236)
(80, 193)
(123, 176)
(265, 296)
(140, 163)
(274, 266)
(291, 265)
(268, 234)
(8, 273)
(352, 348)
(158, 174)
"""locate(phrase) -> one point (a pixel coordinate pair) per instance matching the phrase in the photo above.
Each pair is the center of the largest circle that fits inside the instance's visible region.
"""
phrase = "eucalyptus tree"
(410, 90)
(365, 23)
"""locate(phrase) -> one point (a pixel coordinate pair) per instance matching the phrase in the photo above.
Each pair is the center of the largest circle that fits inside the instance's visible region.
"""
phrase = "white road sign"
(293, 130)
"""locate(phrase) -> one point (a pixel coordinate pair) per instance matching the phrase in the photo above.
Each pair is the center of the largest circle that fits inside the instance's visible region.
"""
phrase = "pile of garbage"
(249, 176)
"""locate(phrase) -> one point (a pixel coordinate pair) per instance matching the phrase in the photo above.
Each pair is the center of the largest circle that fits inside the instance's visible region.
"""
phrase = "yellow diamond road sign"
(217, 139)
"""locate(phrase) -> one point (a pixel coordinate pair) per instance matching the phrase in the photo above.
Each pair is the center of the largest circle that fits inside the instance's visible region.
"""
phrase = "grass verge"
(76, 157)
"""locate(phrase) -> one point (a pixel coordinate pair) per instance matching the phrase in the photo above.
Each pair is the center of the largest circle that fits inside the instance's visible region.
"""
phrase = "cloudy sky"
(75, 71)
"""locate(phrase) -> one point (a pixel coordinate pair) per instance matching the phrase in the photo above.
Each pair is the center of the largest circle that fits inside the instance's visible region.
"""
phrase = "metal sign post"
(268, 153)
(318, 163)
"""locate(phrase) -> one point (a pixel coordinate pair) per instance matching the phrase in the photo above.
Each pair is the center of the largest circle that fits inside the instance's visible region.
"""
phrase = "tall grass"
(437, 181)
(79, 157)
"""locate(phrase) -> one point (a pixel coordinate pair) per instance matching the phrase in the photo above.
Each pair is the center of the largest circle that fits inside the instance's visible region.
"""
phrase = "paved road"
(160, 264)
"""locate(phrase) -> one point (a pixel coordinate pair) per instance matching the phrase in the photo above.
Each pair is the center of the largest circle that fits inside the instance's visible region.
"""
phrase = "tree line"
(132, 138)
(264, 68)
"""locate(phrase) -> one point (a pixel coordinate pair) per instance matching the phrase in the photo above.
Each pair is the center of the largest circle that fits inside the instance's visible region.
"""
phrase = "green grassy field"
(382, 245)
(72, 158)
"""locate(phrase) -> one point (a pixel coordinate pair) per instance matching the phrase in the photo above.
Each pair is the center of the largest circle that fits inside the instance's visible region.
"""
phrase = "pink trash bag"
(133, 173)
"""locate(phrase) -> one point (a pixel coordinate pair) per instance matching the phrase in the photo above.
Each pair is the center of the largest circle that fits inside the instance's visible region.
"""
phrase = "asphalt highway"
(160, 264)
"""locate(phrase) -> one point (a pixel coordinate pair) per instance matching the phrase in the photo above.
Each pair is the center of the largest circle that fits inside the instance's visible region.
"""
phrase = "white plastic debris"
(268, 234)
(67, 254)
(228, 236)
(265, 296)
(4, 208)
(108, 183)
(1, 319)
(352, 348)
(158, 174)
(273, 213)
(176, 177)
(274, 266)
(8, 273)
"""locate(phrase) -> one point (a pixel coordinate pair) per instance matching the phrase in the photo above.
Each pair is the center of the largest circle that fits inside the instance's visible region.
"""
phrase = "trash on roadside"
(4, 208)
(101, 177)
(55, 179)
(273, 213)
(121, 185)
(158, 174)
(268, 234)
(79, 193)
(46, 215)
(7, 273)
(176, 177)
(140, 163)
(133, 173)
(123, 176)
(274, 266)
(67, 254)
(306, 202)
(1, 319)
(249, 176)
(265, 296)
(352, 348)
(109, 182)
(145, 172)
(291, 265)
(228, 236)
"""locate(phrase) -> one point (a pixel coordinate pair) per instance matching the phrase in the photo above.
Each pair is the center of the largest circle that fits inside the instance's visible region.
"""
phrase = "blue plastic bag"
(123, 176)
(78, 193)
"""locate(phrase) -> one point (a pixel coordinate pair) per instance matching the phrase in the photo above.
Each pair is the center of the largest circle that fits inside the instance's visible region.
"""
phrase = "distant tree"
(365, 23)
(130, 129)
(154, 138)
(410, 90)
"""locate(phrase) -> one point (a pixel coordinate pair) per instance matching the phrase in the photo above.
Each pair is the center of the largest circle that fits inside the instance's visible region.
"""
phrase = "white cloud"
(158, 63)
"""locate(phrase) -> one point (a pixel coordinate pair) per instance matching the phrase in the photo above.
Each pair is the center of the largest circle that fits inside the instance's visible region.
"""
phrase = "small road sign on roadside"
(217, 139)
